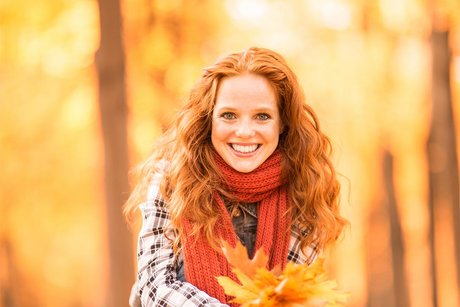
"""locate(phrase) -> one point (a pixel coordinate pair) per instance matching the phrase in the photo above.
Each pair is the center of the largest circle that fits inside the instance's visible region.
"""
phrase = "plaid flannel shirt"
(157, 284)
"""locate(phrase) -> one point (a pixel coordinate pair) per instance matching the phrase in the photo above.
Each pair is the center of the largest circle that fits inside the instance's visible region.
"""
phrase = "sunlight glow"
(456, 67)
(249, 11)
(74, 38)
(333, 14)
(78, 109)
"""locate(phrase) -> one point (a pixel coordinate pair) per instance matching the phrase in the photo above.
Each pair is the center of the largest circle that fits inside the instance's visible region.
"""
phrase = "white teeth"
(244, 149)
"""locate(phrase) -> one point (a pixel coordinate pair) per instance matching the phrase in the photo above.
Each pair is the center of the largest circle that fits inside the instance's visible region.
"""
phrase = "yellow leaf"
(297, 285)
(234, 289)
(238, 258)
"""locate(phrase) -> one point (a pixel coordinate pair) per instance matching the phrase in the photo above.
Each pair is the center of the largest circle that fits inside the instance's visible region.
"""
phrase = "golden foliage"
(364, 65)
(297, 285)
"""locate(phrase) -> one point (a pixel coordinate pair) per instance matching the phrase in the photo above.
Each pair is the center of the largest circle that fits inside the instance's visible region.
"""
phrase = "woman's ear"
(281, 130)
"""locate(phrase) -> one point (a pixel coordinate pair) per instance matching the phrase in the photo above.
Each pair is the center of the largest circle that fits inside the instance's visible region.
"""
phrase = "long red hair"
(190, 180)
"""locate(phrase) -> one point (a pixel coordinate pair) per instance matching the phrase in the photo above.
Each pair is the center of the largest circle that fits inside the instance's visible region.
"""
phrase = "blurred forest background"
(87, 86)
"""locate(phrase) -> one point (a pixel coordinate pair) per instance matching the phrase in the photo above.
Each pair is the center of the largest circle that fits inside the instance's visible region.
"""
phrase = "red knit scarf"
(203, 264)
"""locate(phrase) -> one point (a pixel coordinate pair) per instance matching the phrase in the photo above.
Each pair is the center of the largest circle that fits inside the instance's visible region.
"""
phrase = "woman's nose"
(245, 130)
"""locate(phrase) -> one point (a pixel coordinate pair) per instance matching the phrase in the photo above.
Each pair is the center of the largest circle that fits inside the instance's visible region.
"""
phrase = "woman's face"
(246, 122)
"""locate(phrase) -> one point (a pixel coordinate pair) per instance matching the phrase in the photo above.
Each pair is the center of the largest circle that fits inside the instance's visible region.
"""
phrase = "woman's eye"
(263, 116)
(228, 115)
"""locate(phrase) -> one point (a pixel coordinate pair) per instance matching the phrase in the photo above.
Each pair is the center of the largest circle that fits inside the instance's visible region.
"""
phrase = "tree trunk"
(7, 270)
(110, 63)
(442, 156)
(397, 244)
(379, 258)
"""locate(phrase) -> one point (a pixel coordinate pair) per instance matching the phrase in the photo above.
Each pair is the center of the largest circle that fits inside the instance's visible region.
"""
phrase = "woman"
(245, 160)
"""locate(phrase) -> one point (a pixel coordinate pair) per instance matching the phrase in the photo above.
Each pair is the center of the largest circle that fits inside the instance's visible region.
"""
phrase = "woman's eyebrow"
(259, 109)
(265, 109)
(226, 108)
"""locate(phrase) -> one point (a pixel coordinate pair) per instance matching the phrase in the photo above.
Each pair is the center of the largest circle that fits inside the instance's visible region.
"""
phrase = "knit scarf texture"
(264, 185)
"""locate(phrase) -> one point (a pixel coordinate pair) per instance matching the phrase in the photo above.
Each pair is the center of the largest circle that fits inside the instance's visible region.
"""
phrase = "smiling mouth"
(245, 148)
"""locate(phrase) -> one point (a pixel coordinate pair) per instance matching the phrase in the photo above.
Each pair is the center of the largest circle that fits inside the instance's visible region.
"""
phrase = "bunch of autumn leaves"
(297, 285)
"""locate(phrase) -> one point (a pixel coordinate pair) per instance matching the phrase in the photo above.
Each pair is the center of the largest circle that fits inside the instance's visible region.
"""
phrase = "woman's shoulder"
(159, 167)
(154, 196)
(298, 254)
